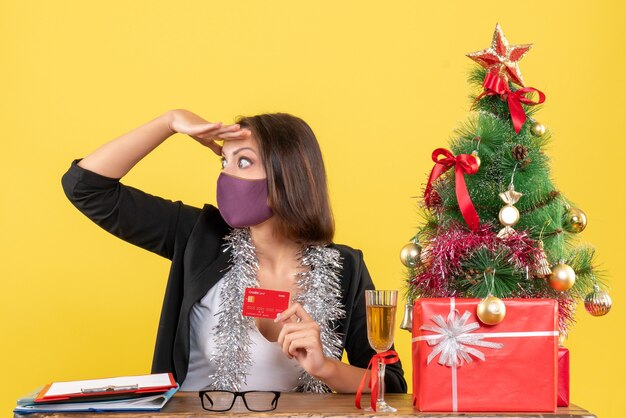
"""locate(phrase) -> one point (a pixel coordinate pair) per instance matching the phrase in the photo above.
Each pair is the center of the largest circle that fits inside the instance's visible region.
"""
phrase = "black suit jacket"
(193, 239)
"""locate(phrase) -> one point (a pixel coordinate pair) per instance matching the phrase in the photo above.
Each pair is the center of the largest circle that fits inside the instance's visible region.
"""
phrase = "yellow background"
(381, 83)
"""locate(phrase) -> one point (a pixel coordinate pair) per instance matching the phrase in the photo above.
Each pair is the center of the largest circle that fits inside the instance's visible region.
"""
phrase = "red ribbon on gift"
(386, 357)
(496, 84)
(464, 164)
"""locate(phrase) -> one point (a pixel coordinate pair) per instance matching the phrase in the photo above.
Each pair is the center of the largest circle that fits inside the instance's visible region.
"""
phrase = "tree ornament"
(410, 254)
(407, 319)
(426, 257)
(475, 155)
(509, 215)
(543, 267)
(575, 220)
(501, 58)
(562, 277)
(491, 310)
(598, 302)
(463, 164)
(519, 152)
(537, 129)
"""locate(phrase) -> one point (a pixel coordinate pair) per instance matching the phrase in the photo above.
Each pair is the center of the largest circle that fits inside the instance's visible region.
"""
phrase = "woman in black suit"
(273, 229)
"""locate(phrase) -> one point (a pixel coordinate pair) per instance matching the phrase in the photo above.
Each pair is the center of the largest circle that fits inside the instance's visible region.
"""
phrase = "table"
(187, 404)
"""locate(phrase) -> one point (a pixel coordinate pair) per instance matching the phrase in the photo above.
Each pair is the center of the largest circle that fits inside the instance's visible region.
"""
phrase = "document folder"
(110, 388)
(153, 403)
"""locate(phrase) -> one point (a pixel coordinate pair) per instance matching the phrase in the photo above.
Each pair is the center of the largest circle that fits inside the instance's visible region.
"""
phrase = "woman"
(273, 230)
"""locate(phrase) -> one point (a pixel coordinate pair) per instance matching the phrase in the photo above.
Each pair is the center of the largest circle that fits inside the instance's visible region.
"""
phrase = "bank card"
(264, 303)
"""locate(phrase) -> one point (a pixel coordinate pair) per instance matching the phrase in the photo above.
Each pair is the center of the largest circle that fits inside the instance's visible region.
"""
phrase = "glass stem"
(381, 383)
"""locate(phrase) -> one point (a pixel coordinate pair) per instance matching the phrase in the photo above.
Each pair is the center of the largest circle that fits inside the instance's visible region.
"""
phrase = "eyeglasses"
(254, 400)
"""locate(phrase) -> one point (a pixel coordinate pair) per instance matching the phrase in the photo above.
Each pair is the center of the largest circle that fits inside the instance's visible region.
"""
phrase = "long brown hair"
(298, 194)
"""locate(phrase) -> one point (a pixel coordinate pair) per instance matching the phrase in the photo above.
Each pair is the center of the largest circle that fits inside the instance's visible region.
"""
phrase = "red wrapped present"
(460, 364)
(562, 391)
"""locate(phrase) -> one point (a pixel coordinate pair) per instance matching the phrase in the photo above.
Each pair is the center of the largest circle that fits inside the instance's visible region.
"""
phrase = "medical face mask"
(242, 202)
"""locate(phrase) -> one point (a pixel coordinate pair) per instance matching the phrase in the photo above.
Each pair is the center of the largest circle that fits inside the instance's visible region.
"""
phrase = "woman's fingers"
(305, 343)
(300, 337)
(287, 341)
(212, 130)
(208, 134)
(294, 313)
(293, 327)
(202, 128)
(240, 134)
(303, 338)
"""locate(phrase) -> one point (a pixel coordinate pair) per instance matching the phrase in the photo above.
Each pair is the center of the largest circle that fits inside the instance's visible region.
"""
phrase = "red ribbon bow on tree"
(386, 357)
(496, 84)
(464, 164)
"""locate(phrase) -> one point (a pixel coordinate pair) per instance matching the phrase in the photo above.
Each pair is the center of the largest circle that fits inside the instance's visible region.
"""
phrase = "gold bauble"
(509, 215)
(475, 155)
(575, 220)
(598, 302)
(538, 129)
(491, 310)
(410, 254)
(562, 277)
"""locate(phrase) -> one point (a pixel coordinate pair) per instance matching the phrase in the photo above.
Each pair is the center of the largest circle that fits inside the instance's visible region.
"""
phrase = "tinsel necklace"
(319, 293)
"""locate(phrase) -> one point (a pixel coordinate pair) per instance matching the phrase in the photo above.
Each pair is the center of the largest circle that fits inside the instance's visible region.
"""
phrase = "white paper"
(143, 381)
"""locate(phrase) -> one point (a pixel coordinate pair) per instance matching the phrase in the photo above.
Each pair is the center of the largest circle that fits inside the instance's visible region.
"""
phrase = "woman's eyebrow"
(243, 149)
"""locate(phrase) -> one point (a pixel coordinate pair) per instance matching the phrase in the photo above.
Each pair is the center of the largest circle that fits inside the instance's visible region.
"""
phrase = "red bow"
(495, 84)
(387, 357)
(464, 164)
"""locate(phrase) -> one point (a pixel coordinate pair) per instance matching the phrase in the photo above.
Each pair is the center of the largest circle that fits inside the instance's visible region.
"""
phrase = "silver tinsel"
(231, 357)
(319, 292)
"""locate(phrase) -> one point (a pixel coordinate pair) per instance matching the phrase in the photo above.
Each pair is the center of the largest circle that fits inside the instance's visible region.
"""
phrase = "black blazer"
(193, 239)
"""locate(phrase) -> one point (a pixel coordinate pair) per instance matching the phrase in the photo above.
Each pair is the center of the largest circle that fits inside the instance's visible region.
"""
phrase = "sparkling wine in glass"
(381, 322)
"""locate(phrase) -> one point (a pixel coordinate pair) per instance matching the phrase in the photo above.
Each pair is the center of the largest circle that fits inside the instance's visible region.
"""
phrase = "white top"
(271, 368)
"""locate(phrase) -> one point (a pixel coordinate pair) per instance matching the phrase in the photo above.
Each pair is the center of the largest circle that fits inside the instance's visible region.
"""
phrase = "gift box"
(460, 364)
(562, 390)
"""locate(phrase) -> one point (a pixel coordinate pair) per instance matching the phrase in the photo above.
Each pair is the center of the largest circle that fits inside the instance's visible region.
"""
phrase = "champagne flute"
(381, 322)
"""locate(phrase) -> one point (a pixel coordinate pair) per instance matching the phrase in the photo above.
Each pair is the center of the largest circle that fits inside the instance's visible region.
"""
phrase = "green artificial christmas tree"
(496, 226)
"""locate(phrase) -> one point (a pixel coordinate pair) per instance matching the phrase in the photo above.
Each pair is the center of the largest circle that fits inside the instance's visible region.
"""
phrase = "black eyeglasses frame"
(274, 402)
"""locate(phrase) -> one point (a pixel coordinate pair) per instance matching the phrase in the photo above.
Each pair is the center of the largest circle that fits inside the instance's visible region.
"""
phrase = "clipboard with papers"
(106, 389)
(147, 403)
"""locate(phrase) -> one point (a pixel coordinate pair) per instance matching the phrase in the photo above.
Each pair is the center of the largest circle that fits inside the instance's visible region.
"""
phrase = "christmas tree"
(495, 225)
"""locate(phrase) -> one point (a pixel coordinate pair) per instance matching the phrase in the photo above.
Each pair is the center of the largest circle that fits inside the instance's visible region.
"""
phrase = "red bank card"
(264, 303)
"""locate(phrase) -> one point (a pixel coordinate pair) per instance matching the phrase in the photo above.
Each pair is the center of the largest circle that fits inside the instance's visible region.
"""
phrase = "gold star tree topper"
(502, 58)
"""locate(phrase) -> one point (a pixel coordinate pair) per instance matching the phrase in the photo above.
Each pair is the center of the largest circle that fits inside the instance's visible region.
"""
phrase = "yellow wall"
(381, 83)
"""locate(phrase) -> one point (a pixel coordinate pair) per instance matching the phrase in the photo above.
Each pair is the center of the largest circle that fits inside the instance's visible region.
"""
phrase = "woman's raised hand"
(205, 132)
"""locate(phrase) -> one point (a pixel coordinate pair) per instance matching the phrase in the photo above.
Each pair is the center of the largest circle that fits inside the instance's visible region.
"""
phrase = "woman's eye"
(244, 163)
(223, 163)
